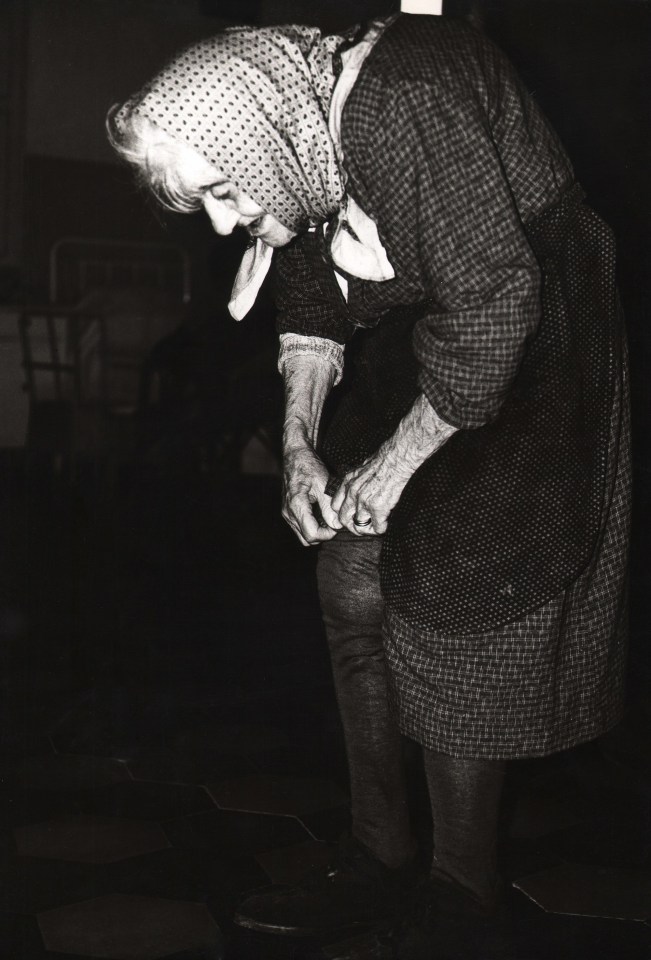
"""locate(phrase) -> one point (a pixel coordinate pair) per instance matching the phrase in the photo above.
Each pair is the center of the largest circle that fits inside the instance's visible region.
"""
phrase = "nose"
(223, 217)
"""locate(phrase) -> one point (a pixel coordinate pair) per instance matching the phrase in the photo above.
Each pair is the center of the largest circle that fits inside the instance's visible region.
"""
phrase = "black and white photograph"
(325, 479)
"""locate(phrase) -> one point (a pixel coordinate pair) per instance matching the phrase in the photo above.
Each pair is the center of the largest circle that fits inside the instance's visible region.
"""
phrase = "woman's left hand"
(369, 493)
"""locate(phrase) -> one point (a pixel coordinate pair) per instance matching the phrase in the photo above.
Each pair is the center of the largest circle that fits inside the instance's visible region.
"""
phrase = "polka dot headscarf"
(254, 103)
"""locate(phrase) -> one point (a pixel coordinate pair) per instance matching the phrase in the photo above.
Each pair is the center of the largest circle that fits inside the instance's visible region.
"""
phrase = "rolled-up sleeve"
(296, 345)
(469, 353)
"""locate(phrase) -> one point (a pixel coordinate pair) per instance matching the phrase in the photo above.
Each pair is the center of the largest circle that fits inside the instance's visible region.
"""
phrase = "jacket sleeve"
(446, 215)
(477, 265)
(308, 297)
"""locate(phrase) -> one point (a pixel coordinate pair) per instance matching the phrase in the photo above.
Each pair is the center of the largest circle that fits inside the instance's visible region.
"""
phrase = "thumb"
(330, 516)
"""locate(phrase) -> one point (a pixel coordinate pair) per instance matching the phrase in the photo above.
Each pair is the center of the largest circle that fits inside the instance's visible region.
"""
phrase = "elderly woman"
(470, 493)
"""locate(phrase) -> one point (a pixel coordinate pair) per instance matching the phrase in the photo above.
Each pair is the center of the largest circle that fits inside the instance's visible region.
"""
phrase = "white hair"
(155, 155)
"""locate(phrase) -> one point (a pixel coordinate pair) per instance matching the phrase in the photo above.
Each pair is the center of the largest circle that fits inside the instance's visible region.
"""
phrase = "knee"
(355, 607)
(349, 587)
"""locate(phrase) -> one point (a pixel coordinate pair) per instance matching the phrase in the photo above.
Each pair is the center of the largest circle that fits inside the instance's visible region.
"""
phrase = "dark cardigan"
(503, 312)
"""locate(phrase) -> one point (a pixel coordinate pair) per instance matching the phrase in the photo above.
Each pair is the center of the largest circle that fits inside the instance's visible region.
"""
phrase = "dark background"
(586, 62)
(158, 621)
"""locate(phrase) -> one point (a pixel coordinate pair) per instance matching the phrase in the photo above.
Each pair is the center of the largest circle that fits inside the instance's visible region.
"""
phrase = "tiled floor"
(170, 741)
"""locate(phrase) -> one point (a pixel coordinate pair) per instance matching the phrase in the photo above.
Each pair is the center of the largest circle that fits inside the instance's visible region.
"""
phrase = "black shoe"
(356, 892)
(451, 924)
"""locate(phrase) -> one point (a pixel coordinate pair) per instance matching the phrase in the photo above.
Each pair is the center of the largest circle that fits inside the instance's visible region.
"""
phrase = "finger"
(330, 516)
(296, 530)
(381, 526)
(339, 497)
(347, 517)
(344, 502)
(363, 525)
(354, 514)
(311, 529)
(367, 519)
(350, 518)
(323, 533)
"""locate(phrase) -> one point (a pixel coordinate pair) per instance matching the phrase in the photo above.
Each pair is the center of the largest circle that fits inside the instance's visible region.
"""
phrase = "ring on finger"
(362, 523)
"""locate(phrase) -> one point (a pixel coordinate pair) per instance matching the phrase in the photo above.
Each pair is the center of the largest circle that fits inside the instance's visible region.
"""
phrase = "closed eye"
(223, 191)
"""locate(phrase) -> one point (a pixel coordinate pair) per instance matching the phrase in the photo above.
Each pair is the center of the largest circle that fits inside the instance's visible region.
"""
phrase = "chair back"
(56, 342)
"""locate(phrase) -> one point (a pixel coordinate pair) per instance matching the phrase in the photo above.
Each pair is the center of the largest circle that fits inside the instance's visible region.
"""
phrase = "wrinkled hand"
(305, 479)
(370, 491)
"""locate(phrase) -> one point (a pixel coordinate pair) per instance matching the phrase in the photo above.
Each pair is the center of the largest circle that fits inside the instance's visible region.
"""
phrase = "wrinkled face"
(226, 206)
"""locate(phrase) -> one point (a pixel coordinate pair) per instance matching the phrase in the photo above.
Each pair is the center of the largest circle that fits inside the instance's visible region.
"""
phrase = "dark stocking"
(465, 797)
(352, 613)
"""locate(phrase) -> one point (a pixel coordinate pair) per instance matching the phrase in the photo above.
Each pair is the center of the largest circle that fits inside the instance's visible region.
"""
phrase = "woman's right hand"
(306, 506)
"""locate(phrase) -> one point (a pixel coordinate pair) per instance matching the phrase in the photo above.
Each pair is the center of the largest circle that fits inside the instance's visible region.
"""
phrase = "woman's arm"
(306, 506)
(373, 489)
(450, 219)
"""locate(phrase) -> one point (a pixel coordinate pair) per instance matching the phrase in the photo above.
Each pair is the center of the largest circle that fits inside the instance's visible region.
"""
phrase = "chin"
(271, 232)
(276, 241)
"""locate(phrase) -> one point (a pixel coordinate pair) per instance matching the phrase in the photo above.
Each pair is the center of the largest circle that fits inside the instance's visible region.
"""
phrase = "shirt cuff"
(295, 345)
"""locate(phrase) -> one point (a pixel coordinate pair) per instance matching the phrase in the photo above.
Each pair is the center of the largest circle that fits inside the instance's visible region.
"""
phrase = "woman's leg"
(465, 797)
(370, 877)
(352, 611)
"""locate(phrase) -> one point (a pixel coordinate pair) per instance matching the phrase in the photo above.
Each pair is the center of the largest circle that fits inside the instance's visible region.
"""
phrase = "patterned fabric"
(455, 166)
(254, 103)
(524, 497)
(551, 680)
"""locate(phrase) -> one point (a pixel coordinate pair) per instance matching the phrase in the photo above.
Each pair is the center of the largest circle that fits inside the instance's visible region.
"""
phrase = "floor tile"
(89, 839)
(327, 825)
(291, 864)
(229, 739)
(20, 938)
(320, 761)
(32, 884)
(591, 891)
(554, 937)
(521, 858)
(21, 807)
(361, 947)
(135, 801)
(188, 766)
(88, 733)
(214, 952)
(241, 945)
(17, 744)
(146, 801)
(224, 831)
(189, 874)
(283, 796)
(128, 928)
(66, 773)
